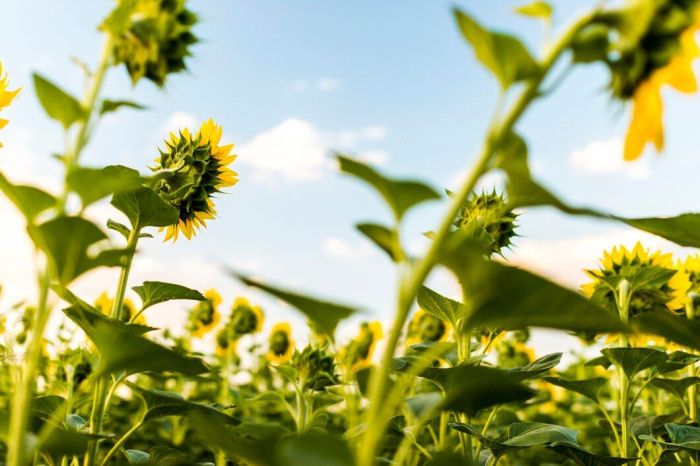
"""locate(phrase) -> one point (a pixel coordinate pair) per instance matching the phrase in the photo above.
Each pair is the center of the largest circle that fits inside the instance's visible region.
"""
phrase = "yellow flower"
(281, 344)
(654, 283)
(205, 316)
(104, 304)
(426, 328)
(646, 125)
(6, 96)
(245, 318)
(358, 353)
(189, 172)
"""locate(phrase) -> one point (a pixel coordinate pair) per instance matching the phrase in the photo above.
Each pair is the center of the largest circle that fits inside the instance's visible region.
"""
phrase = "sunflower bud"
(189, 172)
(157, 40)
(245, 319)
(425, 327)
(316, 368)
(487, 218)
(280, 344)
(358, 353)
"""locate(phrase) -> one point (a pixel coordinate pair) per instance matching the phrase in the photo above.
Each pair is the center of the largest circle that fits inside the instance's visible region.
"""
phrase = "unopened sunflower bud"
(488, 213)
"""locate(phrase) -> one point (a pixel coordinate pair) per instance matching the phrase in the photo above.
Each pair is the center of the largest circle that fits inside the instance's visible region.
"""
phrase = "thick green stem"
(21, 406)
(100, 391)
(623, 301)
(692, 391)
(416, 274)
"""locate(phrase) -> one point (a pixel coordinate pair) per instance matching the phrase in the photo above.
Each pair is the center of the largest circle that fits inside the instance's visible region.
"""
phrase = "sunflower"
(6, 96)
(156, 41)
(662, 56)
(654, 283)
(245, 318)
(281, 344)
(487, 218)
(189, 172)
(358, 353)
(104, 304)
(425, 327)
(205, 315)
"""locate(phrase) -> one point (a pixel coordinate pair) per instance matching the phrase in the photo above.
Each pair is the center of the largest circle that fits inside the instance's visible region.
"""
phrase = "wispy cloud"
(603, 158)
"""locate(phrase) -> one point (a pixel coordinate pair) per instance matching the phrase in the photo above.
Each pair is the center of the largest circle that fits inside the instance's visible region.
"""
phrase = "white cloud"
(299, 86)
(341, 249)
(328, 84)
(178, 121)
(297, 151)
(292, 151)
(563, 260)
(605, 158)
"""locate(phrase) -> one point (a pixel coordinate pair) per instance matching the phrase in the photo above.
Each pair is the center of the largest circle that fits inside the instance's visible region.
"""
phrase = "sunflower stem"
(99, 410)
(411, 280)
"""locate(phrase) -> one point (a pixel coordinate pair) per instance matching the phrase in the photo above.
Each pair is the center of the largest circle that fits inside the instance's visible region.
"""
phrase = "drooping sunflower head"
(280, 343)
(104, 304)
(6, 95)
(245, 318)
(487, 217)
(650, 279)
(157, 40)
(316, 368)
(425, 328)
(358, 353)
(191, 170)
(205, 315)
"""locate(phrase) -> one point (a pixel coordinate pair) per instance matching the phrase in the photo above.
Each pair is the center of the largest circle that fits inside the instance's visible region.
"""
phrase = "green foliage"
(152, 293)
(93, 184)
(57, 103)
(144, 208)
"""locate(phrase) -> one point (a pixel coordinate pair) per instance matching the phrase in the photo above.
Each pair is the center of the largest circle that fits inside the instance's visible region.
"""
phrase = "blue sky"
(390, 81)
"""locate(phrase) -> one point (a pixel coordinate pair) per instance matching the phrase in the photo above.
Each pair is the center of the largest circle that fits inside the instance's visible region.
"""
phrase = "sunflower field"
(451, 380)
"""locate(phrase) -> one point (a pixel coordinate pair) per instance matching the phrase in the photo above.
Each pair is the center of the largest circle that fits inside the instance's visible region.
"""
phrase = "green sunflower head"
(157, 39)
(487, 217)
(316, 368)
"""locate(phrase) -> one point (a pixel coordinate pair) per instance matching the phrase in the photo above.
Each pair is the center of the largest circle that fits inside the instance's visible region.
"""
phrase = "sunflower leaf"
(29, 200)
(400, 195)
(92, 184)
(57, 103)
(382, 236)
(145, 208)
(635, 360)
(152, 293)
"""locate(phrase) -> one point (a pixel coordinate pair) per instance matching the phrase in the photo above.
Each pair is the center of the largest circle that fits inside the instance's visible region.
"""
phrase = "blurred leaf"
(683, 229)
(528, 434)
(114, 105)
(67, 241)
(423, 403)
(313, 448)
(468, 389)
(92, 184)
(440, 306)
(673, 328)
(676, 387)
(152, 293)
(511, 298)
(536, 9)
(324, 314)
(65, 442)
(677, 361)
(635, 360)
(586, 458)
(536, 368)
(145, 208)
(504, 55)
(591, 44)
(448, 459)
(654, 425)
(681, 438)
(400, 195)
(119, 228)
(57, 103)
(586, 387)
(161, 404)
(29, 200)
(381, 236)
(137, 456)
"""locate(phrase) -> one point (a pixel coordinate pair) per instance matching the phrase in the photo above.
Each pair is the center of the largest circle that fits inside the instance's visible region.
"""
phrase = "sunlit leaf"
(114, 105)
(152, 293)
(382, 236)
(145, 208)
(92, 184)
(440, 306)
(29, 200)
(589, 388)
(635, 360)
(57, 103)
(400, 195)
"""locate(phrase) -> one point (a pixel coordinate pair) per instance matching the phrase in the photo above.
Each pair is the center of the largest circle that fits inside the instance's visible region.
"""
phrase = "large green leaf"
(677, 361)
(586, 387)
(57, 103)
(536, 368)
(401, 195)
(68, 244)
(468, 389)
(92, 184)
(161, 404)
(145, 208)
(440, 306)
(529, 434)
(677, 387)
(324, 315)
(29, 200)
(504, 55)
(506, 297)
(673, 328)
(681, 438)
(635, 360)
(313, 448)
(152, 293)
(131, 353)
